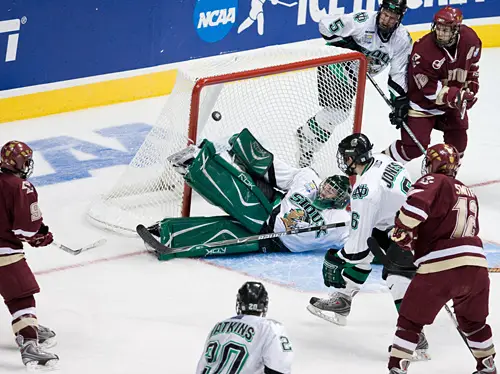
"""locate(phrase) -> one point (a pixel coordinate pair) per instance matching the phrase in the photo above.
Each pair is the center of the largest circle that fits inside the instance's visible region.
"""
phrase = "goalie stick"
(81, 249)
(386, 261)
(211, 248)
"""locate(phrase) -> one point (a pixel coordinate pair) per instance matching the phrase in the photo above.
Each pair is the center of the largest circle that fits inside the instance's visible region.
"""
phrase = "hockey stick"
(214, 247)
(81, 249)
(404, 125)
(386, 261)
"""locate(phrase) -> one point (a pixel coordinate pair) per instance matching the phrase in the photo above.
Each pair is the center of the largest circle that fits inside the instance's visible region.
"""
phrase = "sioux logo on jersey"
(360, 192)
(292, 218)
(313, 215)
(213, 19)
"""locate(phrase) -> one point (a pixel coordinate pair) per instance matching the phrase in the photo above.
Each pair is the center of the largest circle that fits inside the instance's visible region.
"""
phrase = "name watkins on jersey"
(238, 328)
(312, 213)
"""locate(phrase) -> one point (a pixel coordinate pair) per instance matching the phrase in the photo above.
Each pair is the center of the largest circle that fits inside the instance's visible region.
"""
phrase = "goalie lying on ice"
(260, 194)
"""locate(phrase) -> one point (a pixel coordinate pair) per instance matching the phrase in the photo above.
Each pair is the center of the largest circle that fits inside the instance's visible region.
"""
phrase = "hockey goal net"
(272, 93)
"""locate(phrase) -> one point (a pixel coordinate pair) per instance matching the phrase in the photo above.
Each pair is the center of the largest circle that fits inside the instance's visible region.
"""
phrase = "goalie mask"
(333, 193)
(252, 299)
(17, 158)
(357, 148)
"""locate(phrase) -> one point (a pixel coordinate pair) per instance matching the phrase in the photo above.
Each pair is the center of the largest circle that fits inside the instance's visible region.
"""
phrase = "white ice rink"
(116, 309)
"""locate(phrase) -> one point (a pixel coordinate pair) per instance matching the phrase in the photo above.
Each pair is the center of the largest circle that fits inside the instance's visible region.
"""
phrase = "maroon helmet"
(17, 157)
(441, 159)
(449, 20)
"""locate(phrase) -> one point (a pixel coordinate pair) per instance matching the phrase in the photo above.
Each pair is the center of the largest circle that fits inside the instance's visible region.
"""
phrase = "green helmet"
(333, 193)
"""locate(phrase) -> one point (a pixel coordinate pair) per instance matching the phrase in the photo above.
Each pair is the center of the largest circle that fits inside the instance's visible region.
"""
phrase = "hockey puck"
(216, 116)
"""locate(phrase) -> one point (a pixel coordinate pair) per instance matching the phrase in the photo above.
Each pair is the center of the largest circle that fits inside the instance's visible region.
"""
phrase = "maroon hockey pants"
(468, 287)
(17, 287)
(454, 132)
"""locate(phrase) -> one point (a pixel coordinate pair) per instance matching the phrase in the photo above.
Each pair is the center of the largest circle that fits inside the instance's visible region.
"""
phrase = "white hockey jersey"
(362, 28)
(377, 195)
(297, 211)
(245, 344)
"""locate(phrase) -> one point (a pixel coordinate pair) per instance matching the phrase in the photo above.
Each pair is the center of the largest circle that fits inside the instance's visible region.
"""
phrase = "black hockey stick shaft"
(148, 238)
(388, 102)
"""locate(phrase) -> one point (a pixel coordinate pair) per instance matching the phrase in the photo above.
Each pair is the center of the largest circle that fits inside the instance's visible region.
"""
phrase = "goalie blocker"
(253, 189)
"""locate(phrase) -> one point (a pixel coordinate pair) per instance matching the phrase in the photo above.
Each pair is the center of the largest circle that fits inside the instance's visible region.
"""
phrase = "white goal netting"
(272, 92)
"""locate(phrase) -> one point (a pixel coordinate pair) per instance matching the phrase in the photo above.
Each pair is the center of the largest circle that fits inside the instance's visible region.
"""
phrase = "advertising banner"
(67, 39)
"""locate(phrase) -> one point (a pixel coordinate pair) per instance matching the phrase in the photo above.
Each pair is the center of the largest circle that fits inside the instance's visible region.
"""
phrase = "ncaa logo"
(213, 19)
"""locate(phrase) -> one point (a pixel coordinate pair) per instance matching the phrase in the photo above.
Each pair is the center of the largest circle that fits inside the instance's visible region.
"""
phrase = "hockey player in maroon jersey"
(442, 85)
(21, 221)
(439, 223)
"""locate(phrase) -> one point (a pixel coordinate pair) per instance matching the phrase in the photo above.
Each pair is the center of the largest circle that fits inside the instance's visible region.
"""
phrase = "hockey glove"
(473, 83)
(400, 113)
(403, 238)
(332, 270)
(42, 238)
(456, 96)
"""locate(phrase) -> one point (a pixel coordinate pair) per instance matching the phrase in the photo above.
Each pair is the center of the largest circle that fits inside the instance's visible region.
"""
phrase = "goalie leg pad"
(224, 185)
(250, 154)
(191, 231)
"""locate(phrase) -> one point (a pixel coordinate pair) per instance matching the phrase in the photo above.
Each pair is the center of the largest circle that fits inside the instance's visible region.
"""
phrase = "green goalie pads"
(224, 185)
(183, 232)
(250, 154)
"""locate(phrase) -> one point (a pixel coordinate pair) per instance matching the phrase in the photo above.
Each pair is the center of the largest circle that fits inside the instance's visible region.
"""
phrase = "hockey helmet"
(446, 26)
(333, 193)
(356, 146)
(441, 159)
(252, 299)
(387, 25)
(17, 157)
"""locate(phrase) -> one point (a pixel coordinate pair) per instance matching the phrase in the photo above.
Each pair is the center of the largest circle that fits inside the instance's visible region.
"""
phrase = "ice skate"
(489, 366)
(34, 358)
(334, 309)
(403, 368)
(421, 352)
(182, 159)
(46, 337)
(305, 155)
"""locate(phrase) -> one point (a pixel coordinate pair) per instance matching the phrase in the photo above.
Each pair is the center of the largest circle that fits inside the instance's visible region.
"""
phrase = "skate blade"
(421, 355)
(332, 318)
(50, 365)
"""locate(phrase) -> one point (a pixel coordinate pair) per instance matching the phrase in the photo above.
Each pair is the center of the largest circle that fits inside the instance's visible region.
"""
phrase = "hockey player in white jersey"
(378, 194)
(247, 343)
(385, 42)
(261, 195)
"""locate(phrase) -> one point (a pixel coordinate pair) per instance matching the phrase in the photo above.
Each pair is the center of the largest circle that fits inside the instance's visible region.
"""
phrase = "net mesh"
(320, 101)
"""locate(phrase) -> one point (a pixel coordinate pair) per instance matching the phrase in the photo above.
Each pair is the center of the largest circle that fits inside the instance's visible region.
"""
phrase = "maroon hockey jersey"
(20, 217)
(432, 68)
(447, 235)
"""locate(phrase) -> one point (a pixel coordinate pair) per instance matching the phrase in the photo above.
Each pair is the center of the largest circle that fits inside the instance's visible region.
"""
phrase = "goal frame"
(261, 72)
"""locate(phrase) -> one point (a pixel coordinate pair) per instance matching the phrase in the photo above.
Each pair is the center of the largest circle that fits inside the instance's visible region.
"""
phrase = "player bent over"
(248, 343)
(385, 43)
(261, 195)
(379, 192)
(443, 81)
(439, 224)
(21, 221)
